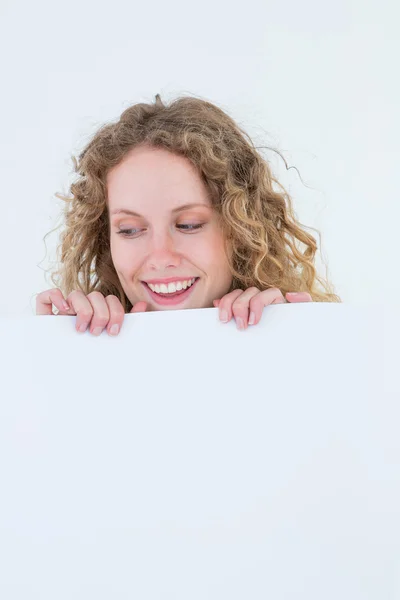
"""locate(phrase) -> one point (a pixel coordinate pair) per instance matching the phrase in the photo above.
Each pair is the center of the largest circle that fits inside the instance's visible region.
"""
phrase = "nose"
(162, 252)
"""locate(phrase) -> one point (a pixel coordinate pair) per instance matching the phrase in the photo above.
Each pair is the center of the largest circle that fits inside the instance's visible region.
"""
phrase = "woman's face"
(166, 243)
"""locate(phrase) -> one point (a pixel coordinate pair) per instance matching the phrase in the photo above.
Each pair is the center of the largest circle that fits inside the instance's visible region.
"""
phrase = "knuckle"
(115, 306)
(224, 304)
(255, 302)
(73, 294)
(100, 321)
(85, 314)
(53, 293)
(240, 304)
(117, 315)
(234, 293)
(231, 297)
(275, 290)
(115, 303)
(225, 301)
(95, 294)
(239, 300)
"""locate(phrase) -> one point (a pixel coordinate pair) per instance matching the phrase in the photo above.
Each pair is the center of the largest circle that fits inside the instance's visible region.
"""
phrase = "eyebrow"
(126, 211)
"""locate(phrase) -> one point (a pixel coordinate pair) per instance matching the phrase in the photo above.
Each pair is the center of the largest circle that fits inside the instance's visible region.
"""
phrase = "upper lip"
(168, 280)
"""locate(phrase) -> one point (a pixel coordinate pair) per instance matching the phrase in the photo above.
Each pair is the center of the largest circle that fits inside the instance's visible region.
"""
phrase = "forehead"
(154, 179)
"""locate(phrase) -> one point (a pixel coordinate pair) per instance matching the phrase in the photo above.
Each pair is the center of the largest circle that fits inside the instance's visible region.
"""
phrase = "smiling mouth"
(171, 289)
(172, 295)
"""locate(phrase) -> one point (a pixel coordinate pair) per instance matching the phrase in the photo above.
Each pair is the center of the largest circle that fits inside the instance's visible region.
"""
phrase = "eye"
(190, 226)
(127, 232)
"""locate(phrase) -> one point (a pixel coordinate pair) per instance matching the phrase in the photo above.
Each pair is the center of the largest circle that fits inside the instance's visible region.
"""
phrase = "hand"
(93, 310)
(240, 303)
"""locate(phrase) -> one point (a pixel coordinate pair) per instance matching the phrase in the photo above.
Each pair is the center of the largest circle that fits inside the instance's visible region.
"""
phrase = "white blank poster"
(187, 459)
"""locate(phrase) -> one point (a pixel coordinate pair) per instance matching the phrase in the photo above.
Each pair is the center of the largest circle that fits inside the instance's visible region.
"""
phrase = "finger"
(82, 308)
(139, 307)
(117, 314)
(45, 301)
(241, 306)
(275, 295)
(225, 305)
(216, 302)
(298, 297)
(264, 298)
(101, 313)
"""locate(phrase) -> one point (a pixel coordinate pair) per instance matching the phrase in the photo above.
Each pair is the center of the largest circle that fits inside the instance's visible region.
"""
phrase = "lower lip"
(167, 301)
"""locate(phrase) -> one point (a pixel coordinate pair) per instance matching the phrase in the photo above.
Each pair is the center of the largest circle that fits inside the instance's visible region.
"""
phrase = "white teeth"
(171, 288)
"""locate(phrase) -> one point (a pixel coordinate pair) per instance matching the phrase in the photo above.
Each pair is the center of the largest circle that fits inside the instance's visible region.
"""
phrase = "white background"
(257, 464)
(316, 80)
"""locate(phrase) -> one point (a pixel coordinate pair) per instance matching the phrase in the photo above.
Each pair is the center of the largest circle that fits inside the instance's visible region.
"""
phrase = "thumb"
(139, 307)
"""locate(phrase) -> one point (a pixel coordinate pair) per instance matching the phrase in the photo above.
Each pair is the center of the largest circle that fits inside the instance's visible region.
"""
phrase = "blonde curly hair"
(260, 228)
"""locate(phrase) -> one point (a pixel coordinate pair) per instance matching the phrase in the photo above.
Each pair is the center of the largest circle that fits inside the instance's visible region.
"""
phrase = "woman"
(174, 208)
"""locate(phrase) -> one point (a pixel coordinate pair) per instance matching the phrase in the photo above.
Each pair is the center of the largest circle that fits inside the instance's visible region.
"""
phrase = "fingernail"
(114, 330)
(252, 318)
(82, 327)
(240, 323)
(65, 305)
(97, 330)
(223, 316)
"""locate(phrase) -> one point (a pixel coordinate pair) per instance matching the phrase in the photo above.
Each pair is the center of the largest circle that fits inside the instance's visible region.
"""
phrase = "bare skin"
(97, 313)
(163, 228)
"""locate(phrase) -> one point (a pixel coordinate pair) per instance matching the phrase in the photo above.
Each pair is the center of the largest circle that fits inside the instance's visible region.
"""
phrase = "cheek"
(211, 255)
(125, 263)
(217, 248)
(201, 252)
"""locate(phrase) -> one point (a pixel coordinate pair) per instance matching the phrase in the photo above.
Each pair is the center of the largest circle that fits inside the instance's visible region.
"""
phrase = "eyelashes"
(193, 226)
(184, 227)
(125, 232)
